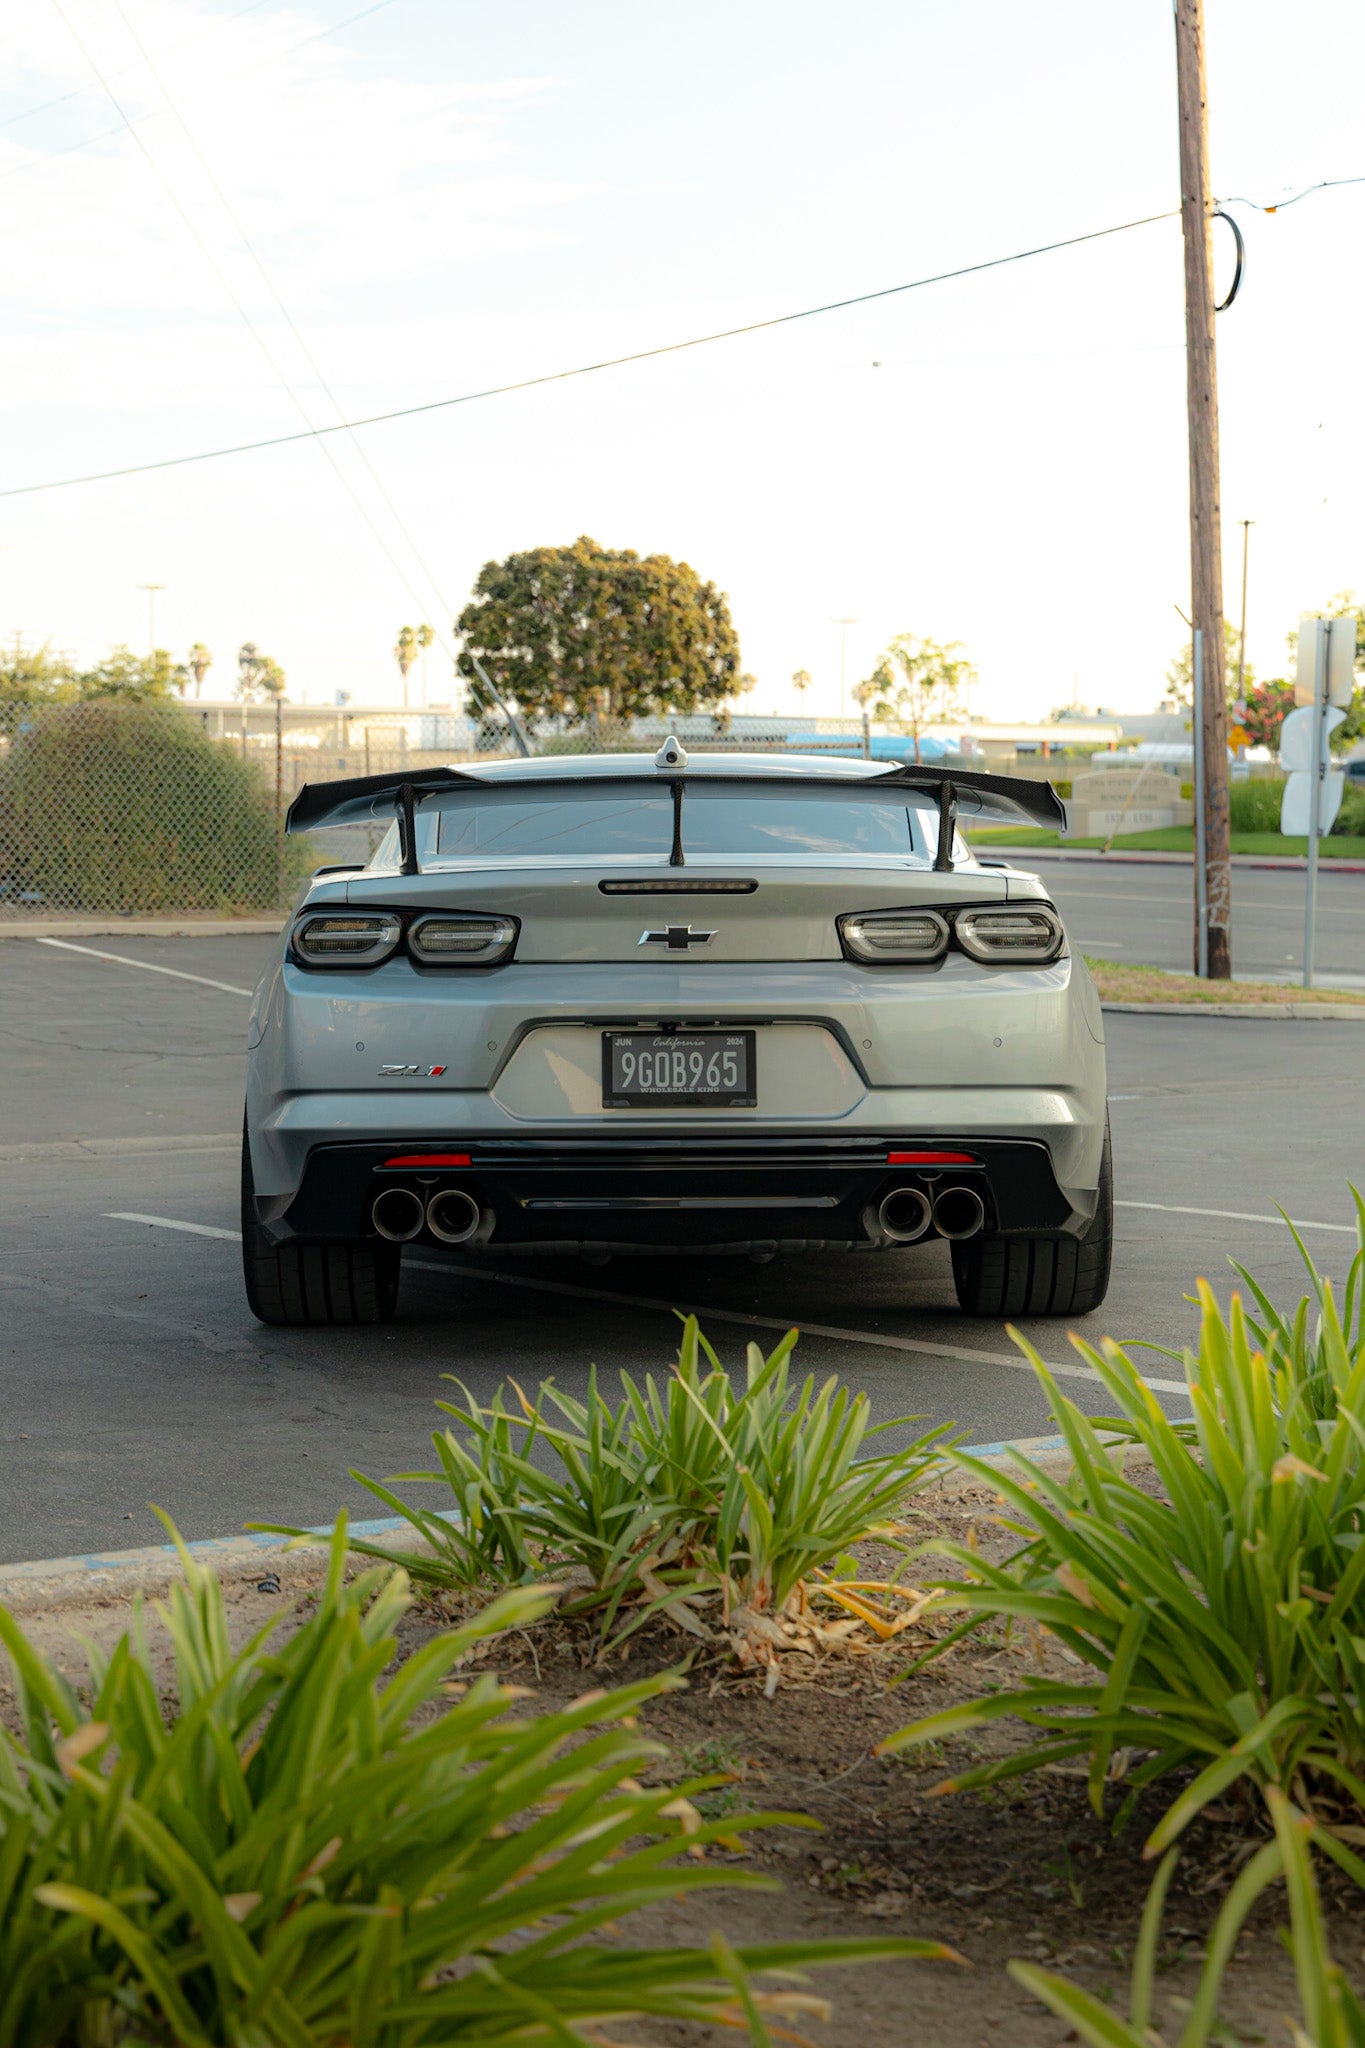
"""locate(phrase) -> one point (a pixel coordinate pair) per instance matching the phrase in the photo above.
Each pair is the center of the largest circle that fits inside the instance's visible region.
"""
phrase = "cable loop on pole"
(1236, 285)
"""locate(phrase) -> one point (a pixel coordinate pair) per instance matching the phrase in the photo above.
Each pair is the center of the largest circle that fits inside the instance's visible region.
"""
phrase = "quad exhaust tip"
(958, 1212)
(453, 1216)
(398, 1215)
(904, 1215)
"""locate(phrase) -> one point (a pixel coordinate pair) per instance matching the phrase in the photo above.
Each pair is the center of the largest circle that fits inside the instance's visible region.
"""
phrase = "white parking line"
(959, 1352)
(170, 1223)
(150, 966)
(1232, 1215)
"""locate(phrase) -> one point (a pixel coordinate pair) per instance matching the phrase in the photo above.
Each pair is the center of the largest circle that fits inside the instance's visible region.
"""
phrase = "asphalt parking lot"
(131, 1371)
(1141, 912)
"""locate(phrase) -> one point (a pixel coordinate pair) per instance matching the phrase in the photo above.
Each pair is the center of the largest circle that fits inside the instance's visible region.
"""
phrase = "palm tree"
(198, 661)
(412, 641)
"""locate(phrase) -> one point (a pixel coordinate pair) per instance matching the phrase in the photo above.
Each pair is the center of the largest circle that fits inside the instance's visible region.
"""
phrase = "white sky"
(447, 195)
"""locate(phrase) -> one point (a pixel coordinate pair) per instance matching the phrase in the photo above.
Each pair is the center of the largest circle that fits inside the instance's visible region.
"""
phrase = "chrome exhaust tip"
(453, 1216)
(398, 1215)
(904, 1215)
(958, 1213)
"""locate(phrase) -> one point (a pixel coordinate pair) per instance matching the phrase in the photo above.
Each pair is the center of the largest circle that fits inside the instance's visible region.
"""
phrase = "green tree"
(1344, 605)
(32, 675)
(257, 674)
(1180, 674)
(917, 683)
(127, 677)
(1268, 704)
(120, 805)
(591, 632)
(801, 683)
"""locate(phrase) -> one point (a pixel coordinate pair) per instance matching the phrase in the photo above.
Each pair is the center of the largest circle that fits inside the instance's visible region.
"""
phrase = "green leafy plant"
(319, 1848)
(122, 805)
(1219, 1622)
(1331, 2014)
(715, 1500)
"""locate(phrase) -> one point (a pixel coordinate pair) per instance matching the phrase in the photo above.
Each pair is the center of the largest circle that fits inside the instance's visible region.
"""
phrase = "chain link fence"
(152, 809)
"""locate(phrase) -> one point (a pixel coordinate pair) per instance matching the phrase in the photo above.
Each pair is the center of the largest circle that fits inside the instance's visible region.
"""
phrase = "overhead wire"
(82, 92)
(269, 283)
(643, 355)
(312, 433)
(106, 134)
(1323, 185)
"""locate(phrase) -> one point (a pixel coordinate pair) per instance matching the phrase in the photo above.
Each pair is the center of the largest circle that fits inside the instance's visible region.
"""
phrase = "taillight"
(895, 935)
(1028, 933)
(330, 939)
(442, 941)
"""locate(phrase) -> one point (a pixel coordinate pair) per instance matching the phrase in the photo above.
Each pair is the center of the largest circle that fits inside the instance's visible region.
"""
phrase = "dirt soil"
(1022, 1870)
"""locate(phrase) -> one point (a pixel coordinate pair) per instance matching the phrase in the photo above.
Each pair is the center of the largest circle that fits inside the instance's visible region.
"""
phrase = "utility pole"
(1247, 525)
(151, 590)
(1206, 567)
(843, 625)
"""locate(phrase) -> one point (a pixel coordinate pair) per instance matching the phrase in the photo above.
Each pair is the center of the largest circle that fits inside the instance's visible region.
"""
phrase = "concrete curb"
(102, 1578)
(1303, 1013)
(141, 927)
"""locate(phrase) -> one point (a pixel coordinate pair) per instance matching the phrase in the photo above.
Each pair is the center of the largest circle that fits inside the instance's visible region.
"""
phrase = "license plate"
(678, 1070)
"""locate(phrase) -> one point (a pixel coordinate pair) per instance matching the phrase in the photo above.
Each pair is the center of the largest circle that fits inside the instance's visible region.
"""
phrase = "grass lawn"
(1124, 981)
(1174, 839)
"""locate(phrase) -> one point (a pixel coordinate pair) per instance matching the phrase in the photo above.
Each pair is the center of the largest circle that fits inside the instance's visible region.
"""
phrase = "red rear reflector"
(429, 1159)
(929, 1159)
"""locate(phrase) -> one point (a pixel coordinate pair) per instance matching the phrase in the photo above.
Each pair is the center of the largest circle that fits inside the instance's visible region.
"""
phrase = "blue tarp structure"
(885, 746)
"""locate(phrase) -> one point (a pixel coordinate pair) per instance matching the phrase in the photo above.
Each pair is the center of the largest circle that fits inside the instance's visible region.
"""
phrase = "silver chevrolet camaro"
(635, 1003)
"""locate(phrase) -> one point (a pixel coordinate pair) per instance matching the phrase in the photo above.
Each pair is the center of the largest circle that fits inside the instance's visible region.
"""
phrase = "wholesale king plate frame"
(679, 1070)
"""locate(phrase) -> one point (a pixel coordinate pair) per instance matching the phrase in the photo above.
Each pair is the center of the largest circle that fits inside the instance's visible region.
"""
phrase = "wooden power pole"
(1206, 538)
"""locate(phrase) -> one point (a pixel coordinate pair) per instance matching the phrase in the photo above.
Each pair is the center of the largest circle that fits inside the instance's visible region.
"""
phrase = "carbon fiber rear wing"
(374, 799)
(963, 789)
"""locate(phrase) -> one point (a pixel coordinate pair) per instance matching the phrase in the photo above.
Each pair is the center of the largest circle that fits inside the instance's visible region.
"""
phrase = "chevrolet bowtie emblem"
(677, 938)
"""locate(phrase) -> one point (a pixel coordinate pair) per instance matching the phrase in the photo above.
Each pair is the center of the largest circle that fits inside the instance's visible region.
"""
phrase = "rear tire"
(303, 1286)
(1040, 1276)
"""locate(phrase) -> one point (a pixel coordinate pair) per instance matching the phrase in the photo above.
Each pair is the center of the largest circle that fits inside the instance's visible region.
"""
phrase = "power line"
(202, 246)
(82, 92)
(643, 355)
(1323, 185)
(310, 358)
(106, 134)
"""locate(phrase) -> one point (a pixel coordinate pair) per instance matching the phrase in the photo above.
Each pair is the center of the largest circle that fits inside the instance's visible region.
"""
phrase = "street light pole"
(843, 625)
(151, 590)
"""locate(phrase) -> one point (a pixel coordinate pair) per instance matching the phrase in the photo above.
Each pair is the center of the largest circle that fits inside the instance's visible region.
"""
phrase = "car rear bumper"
(632, 1193)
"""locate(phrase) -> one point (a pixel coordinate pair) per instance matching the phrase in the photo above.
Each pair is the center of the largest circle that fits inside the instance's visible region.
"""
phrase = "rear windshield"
(745, 820)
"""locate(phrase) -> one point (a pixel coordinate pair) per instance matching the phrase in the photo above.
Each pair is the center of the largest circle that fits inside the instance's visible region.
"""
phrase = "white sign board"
(1296, 738)
(1333, 642)
(1298, 795)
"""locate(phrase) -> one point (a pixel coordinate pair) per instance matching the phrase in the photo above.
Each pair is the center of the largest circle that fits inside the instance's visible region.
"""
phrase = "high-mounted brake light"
(429, 1159)
(712, 885)
(932, 1159)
